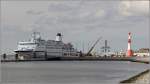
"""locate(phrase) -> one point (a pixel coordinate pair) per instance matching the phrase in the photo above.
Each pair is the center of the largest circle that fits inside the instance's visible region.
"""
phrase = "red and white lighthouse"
(129, 51)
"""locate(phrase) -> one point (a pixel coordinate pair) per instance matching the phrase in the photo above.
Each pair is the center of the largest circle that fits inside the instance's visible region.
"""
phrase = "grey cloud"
(69, 18)
(33, 12)
(134, 8)
(80, 21)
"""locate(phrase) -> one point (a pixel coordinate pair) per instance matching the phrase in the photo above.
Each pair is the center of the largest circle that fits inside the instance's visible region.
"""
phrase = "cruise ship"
(37, 47)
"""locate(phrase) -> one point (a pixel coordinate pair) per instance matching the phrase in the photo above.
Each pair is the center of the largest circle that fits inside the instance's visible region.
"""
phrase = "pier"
(76, 58)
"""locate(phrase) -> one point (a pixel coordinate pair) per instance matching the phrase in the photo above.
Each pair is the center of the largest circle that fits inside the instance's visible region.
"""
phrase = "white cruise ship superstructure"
(39, 48)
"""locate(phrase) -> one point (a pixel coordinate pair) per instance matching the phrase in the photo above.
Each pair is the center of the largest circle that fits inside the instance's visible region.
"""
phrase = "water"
(69, 72)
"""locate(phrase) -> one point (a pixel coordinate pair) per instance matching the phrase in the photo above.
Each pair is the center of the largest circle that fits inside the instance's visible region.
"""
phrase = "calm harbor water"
(69, 72)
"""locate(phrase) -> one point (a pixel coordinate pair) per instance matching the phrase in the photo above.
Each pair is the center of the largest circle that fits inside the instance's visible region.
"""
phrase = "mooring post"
(4, 56)
(16, 57)
(45, 55)
(34, 54)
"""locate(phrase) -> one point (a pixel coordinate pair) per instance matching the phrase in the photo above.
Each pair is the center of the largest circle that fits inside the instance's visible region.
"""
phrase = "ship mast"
(36, 36)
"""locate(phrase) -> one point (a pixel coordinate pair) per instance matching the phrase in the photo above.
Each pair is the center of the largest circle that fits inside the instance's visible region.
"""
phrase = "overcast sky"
(80, 22)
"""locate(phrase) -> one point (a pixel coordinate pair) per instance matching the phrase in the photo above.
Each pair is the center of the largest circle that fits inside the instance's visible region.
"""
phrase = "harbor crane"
(90, 50)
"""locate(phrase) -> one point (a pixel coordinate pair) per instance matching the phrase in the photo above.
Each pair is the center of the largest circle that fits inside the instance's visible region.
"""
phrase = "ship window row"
(70, 54)
(53, 47)
(54, 52)
(27, 43)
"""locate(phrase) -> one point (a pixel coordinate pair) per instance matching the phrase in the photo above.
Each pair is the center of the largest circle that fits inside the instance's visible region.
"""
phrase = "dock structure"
(74, 58)
(105, 48)
(141, 78)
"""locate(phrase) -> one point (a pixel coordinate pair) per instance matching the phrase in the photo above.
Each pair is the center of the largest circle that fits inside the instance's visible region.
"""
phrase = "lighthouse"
(129, 50)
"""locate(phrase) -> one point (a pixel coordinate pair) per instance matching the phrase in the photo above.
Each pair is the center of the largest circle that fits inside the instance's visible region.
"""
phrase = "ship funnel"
(58, 37)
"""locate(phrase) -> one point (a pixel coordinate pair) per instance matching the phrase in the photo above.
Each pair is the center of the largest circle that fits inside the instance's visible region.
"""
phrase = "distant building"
(142, 52)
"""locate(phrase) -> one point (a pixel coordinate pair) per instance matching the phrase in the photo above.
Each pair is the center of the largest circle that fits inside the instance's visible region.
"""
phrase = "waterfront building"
(142, 52)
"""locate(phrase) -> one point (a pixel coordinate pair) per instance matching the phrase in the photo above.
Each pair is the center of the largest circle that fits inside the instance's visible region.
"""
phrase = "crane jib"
(94, 45)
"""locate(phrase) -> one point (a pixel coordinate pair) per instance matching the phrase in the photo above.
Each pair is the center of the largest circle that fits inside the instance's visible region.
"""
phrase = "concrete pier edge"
(132, 80)
(80, 59)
